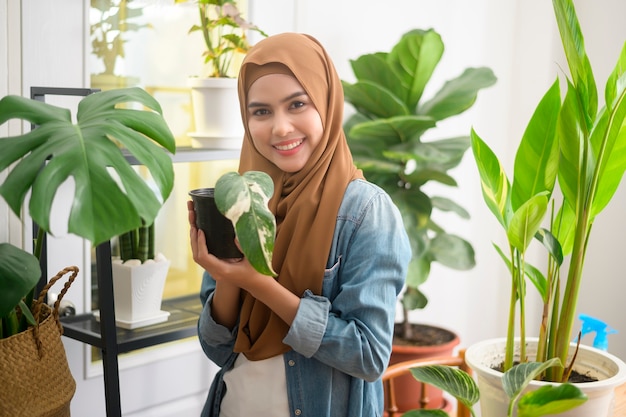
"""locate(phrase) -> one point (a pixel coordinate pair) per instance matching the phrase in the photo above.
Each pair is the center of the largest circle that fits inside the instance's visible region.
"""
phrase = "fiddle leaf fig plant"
(243, 199)
(385, 135)
(110, 197)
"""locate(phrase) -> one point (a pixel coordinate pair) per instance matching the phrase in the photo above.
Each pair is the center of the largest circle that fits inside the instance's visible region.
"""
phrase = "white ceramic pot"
(216, 113)
(138, 291)
(608, 369)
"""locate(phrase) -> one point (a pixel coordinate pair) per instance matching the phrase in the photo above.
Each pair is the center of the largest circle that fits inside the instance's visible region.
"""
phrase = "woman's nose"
(282, 125)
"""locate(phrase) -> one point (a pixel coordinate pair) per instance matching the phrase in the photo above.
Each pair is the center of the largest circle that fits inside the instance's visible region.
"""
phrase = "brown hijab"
(305, 203)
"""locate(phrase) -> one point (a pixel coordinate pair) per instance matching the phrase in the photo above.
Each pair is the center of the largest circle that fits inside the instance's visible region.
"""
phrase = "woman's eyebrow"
(289, 97)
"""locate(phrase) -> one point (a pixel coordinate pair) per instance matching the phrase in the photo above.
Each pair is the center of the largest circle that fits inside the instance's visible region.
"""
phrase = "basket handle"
(38, 303)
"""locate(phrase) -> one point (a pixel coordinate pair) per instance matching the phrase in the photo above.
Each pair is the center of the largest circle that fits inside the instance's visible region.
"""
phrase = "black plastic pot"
(218, 230)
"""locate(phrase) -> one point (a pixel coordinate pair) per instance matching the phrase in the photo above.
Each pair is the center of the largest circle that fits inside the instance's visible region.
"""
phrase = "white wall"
(517, 39)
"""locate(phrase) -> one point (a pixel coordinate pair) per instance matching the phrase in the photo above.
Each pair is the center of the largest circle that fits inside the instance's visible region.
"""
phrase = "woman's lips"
(287, 146)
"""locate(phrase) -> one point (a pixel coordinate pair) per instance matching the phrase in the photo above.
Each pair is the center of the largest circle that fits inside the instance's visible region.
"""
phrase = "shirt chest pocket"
(331, 280)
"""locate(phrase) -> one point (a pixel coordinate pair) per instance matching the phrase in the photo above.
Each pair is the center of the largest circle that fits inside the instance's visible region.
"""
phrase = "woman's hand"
(231, 276)
(231, 270)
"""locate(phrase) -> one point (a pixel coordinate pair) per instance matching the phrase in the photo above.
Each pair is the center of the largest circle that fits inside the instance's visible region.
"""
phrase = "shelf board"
(182, 323)
(189, 154)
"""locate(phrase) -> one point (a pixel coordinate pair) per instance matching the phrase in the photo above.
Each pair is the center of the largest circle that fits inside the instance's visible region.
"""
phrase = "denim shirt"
(341, 340)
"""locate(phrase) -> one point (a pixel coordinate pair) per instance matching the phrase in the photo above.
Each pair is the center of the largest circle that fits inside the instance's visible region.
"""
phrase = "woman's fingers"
(191, 214)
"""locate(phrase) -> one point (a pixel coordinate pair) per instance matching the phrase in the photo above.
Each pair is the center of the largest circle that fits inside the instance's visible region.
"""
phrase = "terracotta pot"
(218, 230)
(608, 369)
(407, 388)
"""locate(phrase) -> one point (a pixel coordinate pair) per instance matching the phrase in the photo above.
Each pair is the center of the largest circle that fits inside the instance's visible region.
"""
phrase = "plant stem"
(510, 337)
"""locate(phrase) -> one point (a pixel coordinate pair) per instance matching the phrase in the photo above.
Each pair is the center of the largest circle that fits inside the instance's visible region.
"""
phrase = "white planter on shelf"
(216, 113)
(138, 291)
(608, 369)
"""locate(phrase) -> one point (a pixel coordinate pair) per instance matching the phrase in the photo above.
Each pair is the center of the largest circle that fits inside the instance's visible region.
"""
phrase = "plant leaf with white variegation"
(243, 199)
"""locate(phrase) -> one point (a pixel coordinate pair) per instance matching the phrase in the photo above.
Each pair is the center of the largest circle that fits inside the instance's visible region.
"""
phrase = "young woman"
(315, 340)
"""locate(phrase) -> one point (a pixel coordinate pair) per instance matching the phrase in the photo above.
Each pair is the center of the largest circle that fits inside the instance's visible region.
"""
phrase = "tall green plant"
(386, 139)
(110, 197)
(570, 142)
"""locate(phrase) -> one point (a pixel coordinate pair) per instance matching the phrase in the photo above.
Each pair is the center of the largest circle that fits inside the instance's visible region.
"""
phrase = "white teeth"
(288, 147)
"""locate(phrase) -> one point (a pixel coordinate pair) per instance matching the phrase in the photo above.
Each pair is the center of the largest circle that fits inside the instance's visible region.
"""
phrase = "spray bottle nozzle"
(591, 324)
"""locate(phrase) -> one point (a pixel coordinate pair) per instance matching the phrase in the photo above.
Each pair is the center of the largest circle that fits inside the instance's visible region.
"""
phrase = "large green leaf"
(414, 58)
(493, 180)
(572, 144)
(243, 199)
(373, 99)
(452, 251)
(110, 197)
(616, 83)
(537, 157)
(459, 94)
(550, 400)
(376, 69)
(608, 138)
(577, 59)
(19, 273)
(392, 130)
(565, 228)
(445, 204)
(526, 221)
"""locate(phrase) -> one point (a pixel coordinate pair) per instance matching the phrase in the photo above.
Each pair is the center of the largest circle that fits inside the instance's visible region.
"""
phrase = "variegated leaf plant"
(243, 199)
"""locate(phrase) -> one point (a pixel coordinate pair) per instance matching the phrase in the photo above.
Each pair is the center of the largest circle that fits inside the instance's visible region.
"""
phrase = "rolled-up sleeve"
(307, 330)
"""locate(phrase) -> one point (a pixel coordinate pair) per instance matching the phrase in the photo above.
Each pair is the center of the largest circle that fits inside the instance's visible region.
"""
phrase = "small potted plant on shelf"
(214, 94)
(572, 142)
(139, 276)
(110, 198)
(385, 135)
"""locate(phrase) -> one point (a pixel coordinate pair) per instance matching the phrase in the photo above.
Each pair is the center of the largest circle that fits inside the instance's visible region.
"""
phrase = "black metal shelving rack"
(112, 341)
(103, 333)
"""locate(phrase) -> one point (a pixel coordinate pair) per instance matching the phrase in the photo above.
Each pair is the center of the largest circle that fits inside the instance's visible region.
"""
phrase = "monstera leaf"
(110, 196)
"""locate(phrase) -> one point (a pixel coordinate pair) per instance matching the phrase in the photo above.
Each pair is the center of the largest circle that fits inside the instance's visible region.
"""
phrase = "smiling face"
(283, 122)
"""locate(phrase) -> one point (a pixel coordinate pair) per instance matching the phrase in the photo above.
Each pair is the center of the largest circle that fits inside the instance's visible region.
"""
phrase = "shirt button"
(292, 362)
(298, 411)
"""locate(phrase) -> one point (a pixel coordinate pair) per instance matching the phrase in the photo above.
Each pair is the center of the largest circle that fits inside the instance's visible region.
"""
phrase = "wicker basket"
(35, 377)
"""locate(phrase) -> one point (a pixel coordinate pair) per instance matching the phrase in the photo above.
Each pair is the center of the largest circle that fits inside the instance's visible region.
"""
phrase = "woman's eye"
(297, 104)
(260, 112)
